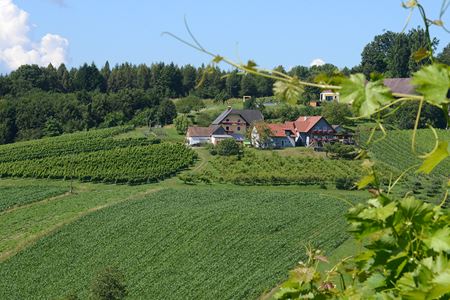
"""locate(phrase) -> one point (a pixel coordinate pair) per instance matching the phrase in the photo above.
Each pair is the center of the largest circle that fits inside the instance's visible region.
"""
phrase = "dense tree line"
(396, 54)
(37, 101)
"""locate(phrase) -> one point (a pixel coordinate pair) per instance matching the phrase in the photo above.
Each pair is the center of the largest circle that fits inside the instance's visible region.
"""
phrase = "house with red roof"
(305, 131)
(272, 136)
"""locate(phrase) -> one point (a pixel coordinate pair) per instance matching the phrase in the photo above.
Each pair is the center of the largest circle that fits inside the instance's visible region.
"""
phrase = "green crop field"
(18, 194)
(395, 151)
(139, 164)
(184, 242)
(275, 168)
(79, 142)
(95, 156)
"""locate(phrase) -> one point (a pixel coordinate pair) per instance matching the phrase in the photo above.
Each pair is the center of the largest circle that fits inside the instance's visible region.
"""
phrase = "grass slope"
(190, 243)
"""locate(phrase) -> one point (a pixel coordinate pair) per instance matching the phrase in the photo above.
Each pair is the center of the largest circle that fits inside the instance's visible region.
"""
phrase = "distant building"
(236, 121)
(232, 123)
(328, 96)
(325, 96)
(197, 136)
(279, 137)
(308, 131)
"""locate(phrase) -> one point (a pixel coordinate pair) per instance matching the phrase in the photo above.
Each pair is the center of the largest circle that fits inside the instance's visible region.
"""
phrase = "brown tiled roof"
(278, 130)
(306, 123)
(195, 131)
(400, 85)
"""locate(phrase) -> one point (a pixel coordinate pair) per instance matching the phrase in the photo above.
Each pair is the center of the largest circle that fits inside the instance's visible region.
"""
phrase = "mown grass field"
(182, 242)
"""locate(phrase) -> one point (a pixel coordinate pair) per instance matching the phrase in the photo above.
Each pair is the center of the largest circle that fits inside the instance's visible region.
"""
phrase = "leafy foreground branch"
(406, 241)
(407, 245)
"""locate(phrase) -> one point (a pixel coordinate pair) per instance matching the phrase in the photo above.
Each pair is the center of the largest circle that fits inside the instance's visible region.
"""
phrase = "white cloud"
(317, 62)
(17, 49)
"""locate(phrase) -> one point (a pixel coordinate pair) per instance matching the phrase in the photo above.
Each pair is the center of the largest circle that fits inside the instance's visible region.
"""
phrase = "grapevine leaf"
(432, 160)
(409, 4)
(379, 213)
(438, 23)
(366, 98)
(286, 91)
(421, 54)
(217, 59)
(433, 82)
(365, 181)
(440, 240)
(251, 65)
(376, 280)
(285, 293)
(441, 285)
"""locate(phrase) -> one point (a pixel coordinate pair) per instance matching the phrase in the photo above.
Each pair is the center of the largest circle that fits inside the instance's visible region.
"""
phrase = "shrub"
(114, 119)
(228, 147)
(52, 127)
(181, 123)
(337, 113)
(345, 183)
(189, 103)
(109, 284)
(338, 150)
(71, 296)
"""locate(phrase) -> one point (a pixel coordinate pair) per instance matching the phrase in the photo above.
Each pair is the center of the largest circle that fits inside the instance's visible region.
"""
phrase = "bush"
(114, 119)
(71, 296)
(211, 148)
(228, 147)
(205, 118)
(109, 284)
(345, 183)
(181, 123)
(189, 103)
(52, 127)
(337, 113)
(338, 150)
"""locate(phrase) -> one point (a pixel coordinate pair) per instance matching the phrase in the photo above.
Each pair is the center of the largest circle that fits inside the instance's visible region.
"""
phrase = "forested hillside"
(46, 101)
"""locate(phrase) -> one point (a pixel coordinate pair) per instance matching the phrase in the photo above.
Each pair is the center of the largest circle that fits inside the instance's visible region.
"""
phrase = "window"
(239, 120)
(329, 98)
(227, 128)
(239, 128)
(228, 120)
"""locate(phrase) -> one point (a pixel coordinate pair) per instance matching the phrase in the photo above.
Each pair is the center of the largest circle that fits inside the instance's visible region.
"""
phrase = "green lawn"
(205, 242)
(167, 133)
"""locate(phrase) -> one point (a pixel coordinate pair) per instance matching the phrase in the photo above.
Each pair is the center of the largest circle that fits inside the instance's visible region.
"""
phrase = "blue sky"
(270, 32)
